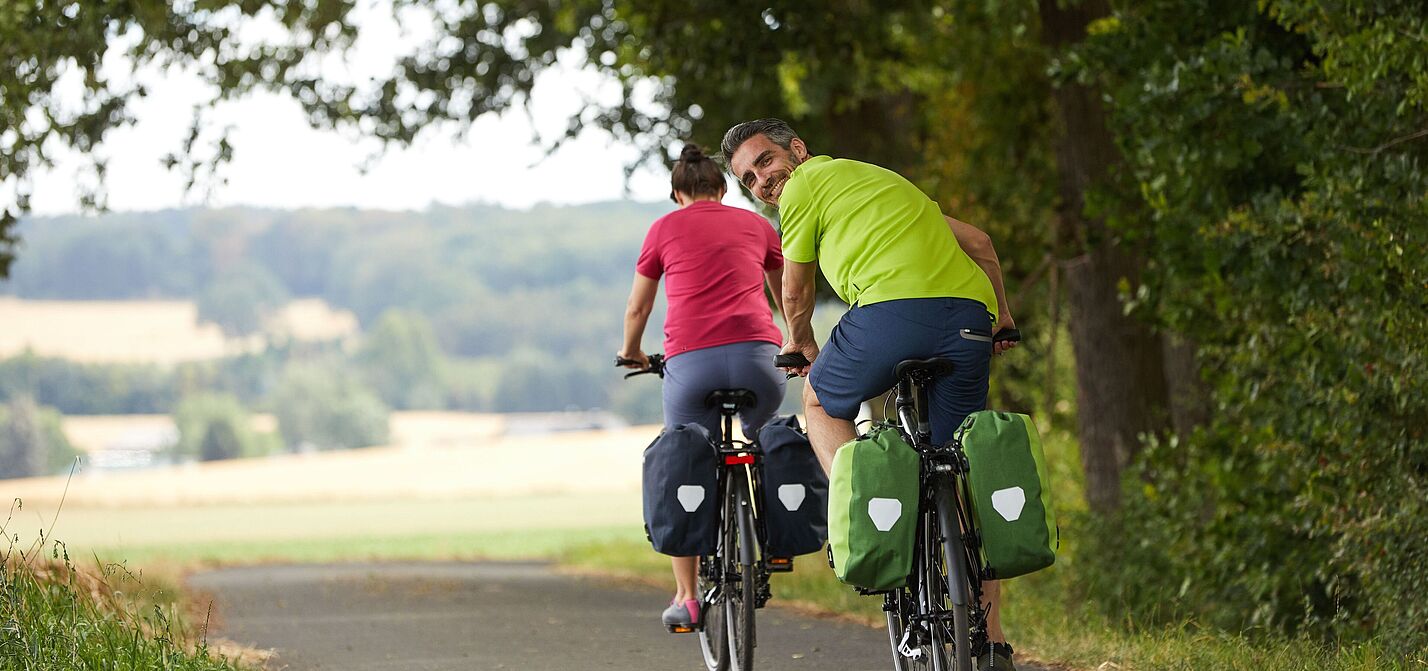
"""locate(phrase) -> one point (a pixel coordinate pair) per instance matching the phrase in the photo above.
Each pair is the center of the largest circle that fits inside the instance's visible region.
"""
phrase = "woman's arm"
(637, 315)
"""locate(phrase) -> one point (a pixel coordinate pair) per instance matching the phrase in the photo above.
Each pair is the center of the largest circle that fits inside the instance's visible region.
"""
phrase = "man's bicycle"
(936, 621)
(734, 581)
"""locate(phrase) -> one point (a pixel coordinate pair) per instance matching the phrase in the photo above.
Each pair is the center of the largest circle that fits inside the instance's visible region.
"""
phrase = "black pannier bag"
(795, 490)
(681, 497)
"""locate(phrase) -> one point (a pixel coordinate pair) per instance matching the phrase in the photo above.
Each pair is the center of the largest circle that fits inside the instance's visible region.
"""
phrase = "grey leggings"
(690, 376)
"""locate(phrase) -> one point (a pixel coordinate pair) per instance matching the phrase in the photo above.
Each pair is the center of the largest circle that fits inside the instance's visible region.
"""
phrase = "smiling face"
(763, 167)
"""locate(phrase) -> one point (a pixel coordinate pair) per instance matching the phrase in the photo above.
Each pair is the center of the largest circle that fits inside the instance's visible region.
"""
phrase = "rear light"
(732, 459)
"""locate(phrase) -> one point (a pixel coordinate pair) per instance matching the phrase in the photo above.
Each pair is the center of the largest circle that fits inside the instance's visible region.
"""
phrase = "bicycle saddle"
(931, 368)
(739, 398)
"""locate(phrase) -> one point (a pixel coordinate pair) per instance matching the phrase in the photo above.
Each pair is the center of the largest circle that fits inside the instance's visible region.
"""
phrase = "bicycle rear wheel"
(714, 635)
(903, 638)
(955, 577)
(741, 590)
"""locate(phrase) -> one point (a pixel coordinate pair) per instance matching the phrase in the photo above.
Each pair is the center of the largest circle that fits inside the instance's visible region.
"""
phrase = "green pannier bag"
(1011, 496)
(872, 510)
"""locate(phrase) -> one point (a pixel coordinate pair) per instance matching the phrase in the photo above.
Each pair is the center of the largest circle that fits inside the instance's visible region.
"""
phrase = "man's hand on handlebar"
(637, 360)
(806, 353)
(1004, 335)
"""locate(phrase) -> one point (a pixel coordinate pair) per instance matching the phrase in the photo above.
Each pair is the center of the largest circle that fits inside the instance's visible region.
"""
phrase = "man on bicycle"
(920, 285)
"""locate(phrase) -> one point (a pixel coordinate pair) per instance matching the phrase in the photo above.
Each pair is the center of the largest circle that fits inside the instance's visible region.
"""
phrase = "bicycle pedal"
(680, 629)
(779, 564)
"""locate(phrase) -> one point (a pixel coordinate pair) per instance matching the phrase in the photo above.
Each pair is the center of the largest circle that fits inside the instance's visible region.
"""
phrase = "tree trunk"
(1189, 395)
(1119, 366)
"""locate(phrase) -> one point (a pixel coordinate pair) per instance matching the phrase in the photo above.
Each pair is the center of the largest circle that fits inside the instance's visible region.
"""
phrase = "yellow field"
(163, 332)
(446, 473)
(435, 456)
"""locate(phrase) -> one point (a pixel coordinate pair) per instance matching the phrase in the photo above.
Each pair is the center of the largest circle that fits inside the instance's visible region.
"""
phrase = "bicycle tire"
(958, 584)
(742, 594)
(714, 635)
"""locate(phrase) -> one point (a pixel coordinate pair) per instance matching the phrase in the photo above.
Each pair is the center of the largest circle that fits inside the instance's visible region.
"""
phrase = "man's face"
(763, 167)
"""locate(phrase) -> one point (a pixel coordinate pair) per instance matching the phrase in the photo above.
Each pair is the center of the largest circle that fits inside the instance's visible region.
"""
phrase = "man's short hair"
(776, 130)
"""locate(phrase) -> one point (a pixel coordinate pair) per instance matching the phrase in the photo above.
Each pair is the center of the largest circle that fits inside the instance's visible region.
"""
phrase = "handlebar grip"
(1007, 335)
(622, 361)
(791, 360)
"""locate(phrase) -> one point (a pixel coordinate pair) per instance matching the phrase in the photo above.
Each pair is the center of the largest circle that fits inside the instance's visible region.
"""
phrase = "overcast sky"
(279, 161)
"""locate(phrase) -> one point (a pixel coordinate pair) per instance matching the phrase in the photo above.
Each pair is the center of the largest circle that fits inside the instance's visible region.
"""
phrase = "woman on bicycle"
(719, 332)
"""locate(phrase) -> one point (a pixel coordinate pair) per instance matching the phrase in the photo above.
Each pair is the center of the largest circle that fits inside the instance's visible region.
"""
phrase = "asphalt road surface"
(491, 615)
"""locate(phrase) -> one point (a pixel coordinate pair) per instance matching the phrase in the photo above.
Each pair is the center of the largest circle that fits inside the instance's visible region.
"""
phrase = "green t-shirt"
(875, 236)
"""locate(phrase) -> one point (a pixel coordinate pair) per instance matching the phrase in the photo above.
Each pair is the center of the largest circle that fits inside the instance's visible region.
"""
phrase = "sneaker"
(681, 617)
(997, 658)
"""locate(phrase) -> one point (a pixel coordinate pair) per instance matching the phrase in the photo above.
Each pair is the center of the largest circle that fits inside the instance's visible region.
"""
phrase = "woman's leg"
(686, 587)
(686, 384)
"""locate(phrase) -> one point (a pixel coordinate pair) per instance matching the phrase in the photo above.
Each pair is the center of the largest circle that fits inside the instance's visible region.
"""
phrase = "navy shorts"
(856, 364)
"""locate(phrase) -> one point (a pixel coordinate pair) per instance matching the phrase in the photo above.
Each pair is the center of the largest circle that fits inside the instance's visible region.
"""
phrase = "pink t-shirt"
(713, 258)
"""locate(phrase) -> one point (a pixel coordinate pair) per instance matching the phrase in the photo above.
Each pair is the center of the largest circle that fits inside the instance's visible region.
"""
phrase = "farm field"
(409, 429)
(162, 332)
(449, 486)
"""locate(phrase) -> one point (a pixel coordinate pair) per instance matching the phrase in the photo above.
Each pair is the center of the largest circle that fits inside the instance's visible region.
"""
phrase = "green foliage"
(321, 406)
(239, 300)
(402, 361)
(220, 441)
(1280, 151)
(32, 442)
(219, 419)
(481, 281)
(533, 380)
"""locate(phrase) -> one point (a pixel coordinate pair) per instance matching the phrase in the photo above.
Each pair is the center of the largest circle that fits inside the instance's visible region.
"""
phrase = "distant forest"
(477, 307)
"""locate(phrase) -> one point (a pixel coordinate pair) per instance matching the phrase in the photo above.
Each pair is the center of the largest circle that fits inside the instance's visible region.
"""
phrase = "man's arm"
(775, 281)
(978, 245)
(799, 283)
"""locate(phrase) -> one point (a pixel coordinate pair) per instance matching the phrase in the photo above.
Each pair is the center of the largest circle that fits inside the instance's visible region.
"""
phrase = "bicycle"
(940, 606)
(734, 581)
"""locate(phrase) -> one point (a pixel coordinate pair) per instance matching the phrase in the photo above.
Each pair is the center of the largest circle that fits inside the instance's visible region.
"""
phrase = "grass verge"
(1042, 620)
(533, 544)
(56, 616)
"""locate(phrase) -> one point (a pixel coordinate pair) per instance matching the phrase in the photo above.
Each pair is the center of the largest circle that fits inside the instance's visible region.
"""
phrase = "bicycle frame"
(739, 462)
(945, 494)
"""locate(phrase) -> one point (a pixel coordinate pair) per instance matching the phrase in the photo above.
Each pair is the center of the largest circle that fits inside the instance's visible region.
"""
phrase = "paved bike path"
(491, 615)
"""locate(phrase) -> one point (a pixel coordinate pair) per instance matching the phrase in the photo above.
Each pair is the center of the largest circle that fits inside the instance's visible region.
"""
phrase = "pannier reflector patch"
(884, 512)
(1009, 502)
(791, 496)
(690, 496)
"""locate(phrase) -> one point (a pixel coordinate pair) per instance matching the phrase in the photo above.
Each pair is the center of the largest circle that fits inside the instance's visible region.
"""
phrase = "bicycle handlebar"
(656, 366)
(1007, 335)
(790, 360)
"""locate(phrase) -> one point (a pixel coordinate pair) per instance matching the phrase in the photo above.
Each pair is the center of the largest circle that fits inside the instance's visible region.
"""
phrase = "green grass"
(1041, 619)
(533, 544)
(55, 616)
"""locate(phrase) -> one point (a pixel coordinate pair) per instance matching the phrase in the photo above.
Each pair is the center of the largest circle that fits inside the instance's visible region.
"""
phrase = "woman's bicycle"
(936, 621)
(734, 581)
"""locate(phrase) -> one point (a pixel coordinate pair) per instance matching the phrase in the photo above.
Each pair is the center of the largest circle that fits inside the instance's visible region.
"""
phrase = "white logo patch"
(690, 496)
(1009, 503)
(791, 496)
(884, 512)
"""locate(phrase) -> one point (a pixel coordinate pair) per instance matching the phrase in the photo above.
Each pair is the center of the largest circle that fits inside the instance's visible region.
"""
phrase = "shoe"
(997, 658)
(681, 618)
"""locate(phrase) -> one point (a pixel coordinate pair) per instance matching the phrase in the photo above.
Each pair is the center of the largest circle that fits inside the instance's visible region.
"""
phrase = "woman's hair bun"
(692, 152)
